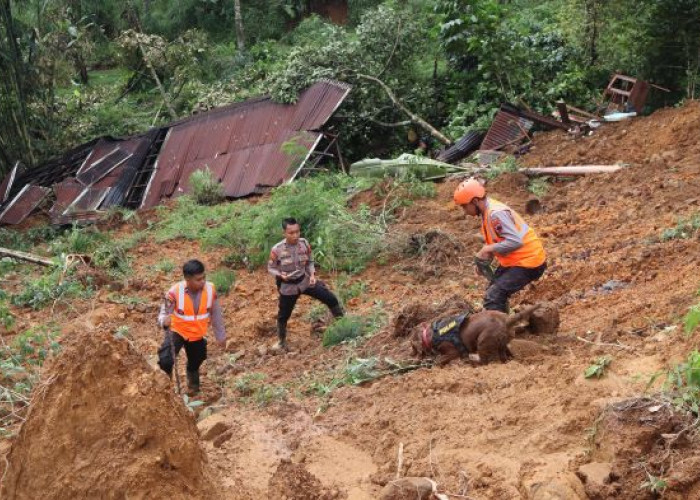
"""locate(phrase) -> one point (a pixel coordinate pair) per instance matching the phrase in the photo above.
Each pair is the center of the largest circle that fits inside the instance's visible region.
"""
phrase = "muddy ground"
(522, 429)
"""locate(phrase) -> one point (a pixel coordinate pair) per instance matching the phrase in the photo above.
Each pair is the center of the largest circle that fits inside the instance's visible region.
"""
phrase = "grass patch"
(251, 387)
(352, 327)
(342, 239)
(223, 280)
(20, 365)
(49, 288)
(684, 230)
(166, 266)
(683, 381)
(691, 320)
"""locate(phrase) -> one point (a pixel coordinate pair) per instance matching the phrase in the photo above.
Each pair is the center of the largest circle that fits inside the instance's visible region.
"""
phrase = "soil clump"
(104, 424)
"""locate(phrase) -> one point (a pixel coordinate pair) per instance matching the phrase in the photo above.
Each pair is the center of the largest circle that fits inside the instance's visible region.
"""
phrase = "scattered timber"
(572, 170)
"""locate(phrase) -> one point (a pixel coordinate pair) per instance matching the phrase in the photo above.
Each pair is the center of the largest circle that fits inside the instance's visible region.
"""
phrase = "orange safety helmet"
(468, 190)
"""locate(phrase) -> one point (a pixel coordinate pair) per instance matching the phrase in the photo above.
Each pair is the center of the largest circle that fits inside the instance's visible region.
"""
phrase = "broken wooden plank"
(581, 112)
(572, 170)
(28, 257)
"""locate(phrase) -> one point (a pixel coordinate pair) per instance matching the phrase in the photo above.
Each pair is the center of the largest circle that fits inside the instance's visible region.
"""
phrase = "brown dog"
(483, 336)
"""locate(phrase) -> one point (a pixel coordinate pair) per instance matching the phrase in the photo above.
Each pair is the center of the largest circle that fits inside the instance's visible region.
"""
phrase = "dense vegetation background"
(75, 69)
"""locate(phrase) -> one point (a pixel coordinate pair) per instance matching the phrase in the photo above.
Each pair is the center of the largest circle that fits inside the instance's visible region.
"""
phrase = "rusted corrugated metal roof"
(506, 129)
(23, 204)
(244, 144)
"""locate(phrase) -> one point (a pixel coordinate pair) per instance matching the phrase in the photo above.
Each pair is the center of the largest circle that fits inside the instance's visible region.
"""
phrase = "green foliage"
(691, 320)
(685, 229)
(166, 266)
(252, 387)
(348, 289)
(683, 380)
(223, 280)
(122, 332)
(539, 186)
(206, 190)
(7, 319)
(340, 238)
(352, 327)
(113, 258)
(20, 365)
(654, 484)
(27, 240)
(49, 288)
(506, 165)
(597, 369)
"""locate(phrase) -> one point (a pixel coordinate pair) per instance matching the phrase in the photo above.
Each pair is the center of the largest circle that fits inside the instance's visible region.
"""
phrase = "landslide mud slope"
(511, 430)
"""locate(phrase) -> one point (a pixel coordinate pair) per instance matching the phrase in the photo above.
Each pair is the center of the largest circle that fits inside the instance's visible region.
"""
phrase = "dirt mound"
(649, 447)
(416, 313)
(104, 424)
(667, 136)
(293, 482)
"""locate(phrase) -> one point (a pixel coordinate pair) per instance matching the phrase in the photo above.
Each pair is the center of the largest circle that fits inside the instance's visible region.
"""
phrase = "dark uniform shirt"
(290, 260)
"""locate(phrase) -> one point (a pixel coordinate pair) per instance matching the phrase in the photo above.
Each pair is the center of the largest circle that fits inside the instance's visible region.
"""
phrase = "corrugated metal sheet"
(506, 129)
(66, 192)
(23, 204)
(243, 144)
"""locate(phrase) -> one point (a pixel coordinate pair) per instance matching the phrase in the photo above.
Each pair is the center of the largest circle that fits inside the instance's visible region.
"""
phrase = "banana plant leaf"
(418, 166)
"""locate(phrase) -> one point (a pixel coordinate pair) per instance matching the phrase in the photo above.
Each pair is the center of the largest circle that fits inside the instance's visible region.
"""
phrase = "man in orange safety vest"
(189, 307)
(508, 238)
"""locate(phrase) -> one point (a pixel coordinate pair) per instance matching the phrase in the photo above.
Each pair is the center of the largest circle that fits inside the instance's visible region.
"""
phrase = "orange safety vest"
(530, 255)
(184, 320)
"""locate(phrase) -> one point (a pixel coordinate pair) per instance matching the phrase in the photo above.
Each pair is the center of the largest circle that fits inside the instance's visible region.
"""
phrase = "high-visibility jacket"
(530, 255)
(190, 324)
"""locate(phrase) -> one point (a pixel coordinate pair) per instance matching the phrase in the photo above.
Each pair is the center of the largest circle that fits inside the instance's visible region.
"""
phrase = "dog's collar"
(427, 337)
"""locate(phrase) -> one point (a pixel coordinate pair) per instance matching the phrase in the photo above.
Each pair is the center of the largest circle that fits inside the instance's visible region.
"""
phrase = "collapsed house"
(249, 147)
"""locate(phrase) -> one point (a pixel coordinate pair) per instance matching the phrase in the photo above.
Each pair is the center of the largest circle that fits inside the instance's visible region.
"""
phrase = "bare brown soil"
(521, 429)
(103, 424)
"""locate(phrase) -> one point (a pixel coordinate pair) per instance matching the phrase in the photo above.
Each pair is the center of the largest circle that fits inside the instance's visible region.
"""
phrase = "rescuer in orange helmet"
(507, 237)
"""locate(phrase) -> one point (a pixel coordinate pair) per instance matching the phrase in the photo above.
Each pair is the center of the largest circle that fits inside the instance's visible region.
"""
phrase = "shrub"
(539, 186)
(223, 280)
(205, 188)
(113, 258)
(691, 319)
(252, 387)
(348, 290)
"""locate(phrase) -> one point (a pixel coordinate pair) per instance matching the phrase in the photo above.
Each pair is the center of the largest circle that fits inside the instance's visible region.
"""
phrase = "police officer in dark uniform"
(292, 265)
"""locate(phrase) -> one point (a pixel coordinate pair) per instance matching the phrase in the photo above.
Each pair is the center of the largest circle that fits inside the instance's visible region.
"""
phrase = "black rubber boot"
(282, 336)
(193, 382)
(337, 311)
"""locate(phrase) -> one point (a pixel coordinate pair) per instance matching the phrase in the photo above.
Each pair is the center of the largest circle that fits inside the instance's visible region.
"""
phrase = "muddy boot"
(193, 382)
(282, 337)
(337, 311)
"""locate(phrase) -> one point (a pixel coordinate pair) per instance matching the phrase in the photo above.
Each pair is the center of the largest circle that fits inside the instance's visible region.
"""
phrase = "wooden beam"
(28, 257)
(572, 170)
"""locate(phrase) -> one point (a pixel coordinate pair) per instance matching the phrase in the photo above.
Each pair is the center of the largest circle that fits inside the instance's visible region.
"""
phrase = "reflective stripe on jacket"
(531, 254)
(190, 324)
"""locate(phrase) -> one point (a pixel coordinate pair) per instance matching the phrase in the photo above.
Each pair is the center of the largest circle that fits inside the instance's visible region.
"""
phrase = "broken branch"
(414, 117)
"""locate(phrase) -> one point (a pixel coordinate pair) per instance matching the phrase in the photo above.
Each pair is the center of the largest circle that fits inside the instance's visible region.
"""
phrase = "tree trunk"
(414, 117)
(240, 38)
